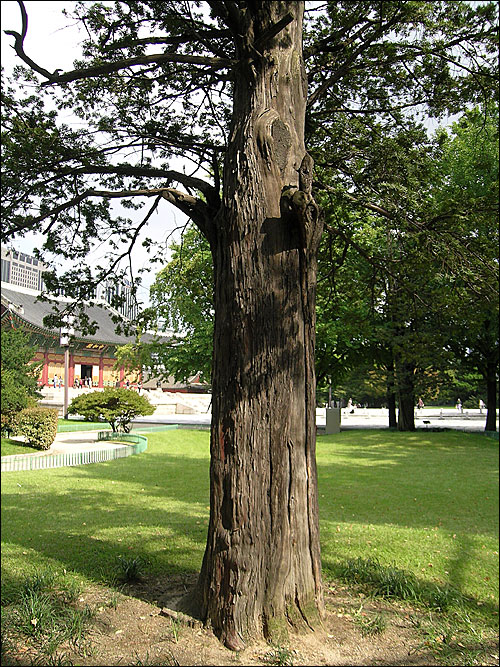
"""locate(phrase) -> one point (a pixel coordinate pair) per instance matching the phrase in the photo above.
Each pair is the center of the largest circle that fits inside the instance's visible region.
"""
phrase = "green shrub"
(116, 406)
(38, 425)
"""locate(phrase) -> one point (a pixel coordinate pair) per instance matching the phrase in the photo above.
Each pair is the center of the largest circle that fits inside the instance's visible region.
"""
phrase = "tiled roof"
(27, 308)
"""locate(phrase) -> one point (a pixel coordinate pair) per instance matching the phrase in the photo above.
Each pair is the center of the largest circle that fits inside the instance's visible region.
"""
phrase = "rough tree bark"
(491, 397)
(391, 396)
(406, 395)
(261, 569)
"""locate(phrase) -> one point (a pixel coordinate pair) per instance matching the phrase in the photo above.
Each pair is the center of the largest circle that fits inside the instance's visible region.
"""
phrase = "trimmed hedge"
(38, 425)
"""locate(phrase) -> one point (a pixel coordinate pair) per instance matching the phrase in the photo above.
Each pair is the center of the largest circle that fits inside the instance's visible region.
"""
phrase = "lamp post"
(64, 340)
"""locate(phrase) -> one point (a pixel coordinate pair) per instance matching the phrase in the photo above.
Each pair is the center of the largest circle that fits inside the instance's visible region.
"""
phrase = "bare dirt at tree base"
(133, 628)
(137, 632)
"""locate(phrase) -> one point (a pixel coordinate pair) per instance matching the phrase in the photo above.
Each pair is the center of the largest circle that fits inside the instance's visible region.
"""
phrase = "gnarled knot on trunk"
(273, 138)
(300, 209)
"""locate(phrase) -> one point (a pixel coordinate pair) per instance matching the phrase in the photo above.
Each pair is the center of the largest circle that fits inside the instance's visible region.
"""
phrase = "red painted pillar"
(101, 372)
(45, 371)
(122, 375)
(71, 377)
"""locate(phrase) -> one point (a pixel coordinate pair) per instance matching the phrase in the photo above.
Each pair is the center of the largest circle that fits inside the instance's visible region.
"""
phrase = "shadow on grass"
(57, 513)
(93, 514)
(413, 480)
(392, 583)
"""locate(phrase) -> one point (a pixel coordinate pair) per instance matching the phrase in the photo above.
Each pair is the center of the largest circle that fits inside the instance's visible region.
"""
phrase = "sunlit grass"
(426, 503)
(69, 425)
(11, 447)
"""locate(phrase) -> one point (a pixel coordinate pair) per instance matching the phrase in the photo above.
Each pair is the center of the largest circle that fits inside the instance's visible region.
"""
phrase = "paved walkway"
(86, 441)
(470, 420)
(68, 449)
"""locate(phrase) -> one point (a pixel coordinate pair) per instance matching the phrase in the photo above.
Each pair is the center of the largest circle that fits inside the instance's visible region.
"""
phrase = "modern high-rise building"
(25, 271)
(22, 270)
(107, 291)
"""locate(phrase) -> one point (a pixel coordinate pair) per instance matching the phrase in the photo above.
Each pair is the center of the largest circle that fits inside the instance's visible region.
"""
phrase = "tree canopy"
(155, 86)
(116, 406)
(19, 372)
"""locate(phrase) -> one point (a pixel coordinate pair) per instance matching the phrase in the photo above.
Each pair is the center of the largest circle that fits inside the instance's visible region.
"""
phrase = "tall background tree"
(224, 85)
(18, 372)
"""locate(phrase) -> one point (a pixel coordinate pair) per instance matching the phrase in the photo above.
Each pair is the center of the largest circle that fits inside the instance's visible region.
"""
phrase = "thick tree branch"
(107, 68)
(129, 170)
(202, 214)
(272, 31)
(156, 59)
(227, 11)
(19, 41)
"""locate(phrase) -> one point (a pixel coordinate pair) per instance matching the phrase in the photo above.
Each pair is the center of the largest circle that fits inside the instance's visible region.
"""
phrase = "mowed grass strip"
(426, 503)
(70, 425)
(11, 447)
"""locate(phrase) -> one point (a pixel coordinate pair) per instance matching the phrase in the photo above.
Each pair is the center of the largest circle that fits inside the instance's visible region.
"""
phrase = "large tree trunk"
(261, 569)
(391, 396)
(406, 395)
(491, 399)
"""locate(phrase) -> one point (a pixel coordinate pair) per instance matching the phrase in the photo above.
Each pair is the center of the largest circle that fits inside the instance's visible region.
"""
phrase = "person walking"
(459, 405)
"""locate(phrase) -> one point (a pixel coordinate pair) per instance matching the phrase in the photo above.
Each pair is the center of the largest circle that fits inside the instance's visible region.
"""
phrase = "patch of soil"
(130, 628)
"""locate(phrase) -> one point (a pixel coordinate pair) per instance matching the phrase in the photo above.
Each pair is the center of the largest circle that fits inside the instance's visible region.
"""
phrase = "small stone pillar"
(332, 420)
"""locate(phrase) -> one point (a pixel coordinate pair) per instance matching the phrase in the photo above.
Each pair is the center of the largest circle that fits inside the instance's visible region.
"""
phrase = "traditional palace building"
(90, 356)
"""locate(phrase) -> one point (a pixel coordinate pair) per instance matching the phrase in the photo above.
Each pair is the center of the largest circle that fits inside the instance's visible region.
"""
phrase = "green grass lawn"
(65, 425)
(426, 502)
(10, 446)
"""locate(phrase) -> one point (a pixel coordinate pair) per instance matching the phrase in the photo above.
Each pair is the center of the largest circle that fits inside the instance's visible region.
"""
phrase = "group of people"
(79, 383)
(86, 382)
(420, 405)
(460, 408)
(127, 385)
